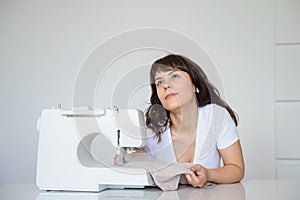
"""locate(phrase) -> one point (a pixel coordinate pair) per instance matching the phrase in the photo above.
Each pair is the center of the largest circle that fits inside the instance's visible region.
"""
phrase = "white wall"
(44, 43)
(287, 81)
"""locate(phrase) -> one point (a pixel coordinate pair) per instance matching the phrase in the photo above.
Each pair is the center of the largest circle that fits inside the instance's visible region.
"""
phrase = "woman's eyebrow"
(173, 72)
(158, 78)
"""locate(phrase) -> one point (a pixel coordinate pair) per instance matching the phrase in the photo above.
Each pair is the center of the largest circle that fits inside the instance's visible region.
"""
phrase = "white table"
(247, 190)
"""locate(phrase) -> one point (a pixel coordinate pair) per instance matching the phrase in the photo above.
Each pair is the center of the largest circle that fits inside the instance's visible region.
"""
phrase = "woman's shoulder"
(153, 139)
(214, 113)
(212, 108)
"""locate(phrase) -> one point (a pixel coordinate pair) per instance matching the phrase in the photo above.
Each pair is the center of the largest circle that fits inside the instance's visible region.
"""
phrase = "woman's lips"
(168, 96)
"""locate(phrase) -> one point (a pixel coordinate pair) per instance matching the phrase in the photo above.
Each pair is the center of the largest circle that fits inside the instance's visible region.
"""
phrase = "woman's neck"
(185, 120)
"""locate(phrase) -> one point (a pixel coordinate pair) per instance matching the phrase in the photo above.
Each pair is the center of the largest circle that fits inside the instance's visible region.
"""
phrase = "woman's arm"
(231, 172)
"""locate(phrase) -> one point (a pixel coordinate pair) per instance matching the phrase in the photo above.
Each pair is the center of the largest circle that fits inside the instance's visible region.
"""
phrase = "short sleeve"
(228, 134)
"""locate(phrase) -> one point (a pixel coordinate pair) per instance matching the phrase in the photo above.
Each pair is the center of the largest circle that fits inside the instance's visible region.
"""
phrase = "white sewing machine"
(65, 160)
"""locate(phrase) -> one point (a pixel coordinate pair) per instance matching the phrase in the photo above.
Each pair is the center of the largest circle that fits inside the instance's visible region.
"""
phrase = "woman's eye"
(158, 83)
(174, 76)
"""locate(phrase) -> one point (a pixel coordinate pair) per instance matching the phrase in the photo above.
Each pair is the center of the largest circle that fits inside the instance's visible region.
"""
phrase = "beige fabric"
(166, 175)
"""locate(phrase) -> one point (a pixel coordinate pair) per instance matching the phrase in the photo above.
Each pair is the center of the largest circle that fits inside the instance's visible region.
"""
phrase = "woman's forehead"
(165, 71)
(160, 73)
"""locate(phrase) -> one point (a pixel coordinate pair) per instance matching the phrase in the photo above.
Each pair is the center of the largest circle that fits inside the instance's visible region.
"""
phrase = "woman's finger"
(196, 168)
(196, 178)
(190, 180)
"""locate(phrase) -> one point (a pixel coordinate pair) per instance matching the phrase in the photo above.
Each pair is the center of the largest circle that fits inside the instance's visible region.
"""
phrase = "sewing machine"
(65, 158)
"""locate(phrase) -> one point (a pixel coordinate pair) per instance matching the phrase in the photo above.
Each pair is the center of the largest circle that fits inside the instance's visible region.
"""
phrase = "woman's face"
(175, 89)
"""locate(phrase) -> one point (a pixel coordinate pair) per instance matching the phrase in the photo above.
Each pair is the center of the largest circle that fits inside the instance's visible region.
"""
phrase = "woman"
(189, 122)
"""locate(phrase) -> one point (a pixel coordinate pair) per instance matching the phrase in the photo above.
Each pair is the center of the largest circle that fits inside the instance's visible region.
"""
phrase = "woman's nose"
(167, 85)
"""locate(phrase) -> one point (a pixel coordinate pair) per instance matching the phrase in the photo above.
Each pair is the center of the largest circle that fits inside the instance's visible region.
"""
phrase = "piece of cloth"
(215, 130)
(167, 176)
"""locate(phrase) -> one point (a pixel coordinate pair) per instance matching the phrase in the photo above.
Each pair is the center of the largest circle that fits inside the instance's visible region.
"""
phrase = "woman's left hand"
(198, 176)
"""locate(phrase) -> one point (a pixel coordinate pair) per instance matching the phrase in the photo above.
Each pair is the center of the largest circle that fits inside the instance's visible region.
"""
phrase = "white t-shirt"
(215, 130)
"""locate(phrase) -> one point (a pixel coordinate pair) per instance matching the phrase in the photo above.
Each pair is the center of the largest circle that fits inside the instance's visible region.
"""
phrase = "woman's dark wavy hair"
(157, 117)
